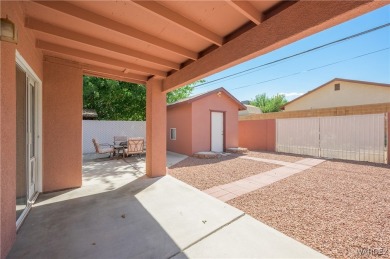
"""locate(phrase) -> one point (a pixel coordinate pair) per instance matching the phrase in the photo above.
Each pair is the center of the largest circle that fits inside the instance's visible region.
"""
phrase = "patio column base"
(156, 127)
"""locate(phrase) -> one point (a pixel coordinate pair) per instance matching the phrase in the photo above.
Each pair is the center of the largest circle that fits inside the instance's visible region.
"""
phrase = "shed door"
(217, 131)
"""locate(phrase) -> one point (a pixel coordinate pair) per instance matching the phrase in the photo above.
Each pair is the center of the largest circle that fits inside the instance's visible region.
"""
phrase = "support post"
(62, 126)
(156, 124)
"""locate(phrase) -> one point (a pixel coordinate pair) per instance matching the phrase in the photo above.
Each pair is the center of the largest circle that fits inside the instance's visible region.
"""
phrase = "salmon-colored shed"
(205, 122)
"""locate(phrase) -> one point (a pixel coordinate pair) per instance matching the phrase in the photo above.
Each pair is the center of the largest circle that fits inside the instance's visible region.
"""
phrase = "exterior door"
(27, 138)
(31, 136)
(217, 134)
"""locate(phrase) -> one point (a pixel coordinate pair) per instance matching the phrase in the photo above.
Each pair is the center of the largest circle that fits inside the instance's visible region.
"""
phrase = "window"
(336, 87)
(173, 134)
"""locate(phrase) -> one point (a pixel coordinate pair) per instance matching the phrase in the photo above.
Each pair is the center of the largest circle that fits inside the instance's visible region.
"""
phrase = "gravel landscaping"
(337, 208)
(207, 173)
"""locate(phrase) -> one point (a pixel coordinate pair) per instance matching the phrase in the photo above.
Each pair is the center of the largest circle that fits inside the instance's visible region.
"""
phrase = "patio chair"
(103, 148)
(135, 146)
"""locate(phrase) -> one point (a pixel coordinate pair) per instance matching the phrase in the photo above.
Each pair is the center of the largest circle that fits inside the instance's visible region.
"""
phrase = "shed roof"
(193, 98)
(337, 80)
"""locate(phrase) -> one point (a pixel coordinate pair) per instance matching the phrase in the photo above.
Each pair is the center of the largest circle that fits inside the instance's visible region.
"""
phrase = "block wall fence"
(258, 132)
(104, 132)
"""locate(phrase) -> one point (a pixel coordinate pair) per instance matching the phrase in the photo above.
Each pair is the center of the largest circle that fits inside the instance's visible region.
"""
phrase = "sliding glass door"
(26, 144)
(31, 136)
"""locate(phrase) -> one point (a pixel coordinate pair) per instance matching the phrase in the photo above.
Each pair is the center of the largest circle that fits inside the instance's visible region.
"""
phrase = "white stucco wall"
(349, 94)
(104, 131)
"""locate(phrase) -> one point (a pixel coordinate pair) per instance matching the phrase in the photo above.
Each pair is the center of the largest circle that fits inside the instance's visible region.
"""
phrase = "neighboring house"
(341, 92)
(250, 109)
(205, 122)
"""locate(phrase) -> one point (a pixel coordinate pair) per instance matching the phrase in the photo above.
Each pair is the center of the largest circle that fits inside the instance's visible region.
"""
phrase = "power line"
(296, 54)
(311, 69)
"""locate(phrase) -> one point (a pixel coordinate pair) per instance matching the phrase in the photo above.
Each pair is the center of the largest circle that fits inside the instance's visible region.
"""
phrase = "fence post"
(387, 136)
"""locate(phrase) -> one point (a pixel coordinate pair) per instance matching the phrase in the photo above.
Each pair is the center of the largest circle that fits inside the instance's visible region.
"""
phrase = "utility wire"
(297, 54)
(311, 69)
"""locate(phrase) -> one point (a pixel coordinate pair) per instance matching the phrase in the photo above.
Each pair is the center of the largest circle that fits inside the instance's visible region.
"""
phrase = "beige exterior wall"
(350, 94)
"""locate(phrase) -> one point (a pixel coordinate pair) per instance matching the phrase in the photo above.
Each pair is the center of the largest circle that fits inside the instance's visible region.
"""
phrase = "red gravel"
(276, 156)
(206, 173)
(336, 208)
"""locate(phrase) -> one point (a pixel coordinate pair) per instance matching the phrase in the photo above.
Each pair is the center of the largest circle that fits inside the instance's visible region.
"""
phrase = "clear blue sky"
(374, 67)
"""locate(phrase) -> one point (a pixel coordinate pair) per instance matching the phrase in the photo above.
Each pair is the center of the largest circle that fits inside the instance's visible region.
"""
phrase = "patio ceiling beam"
(102, 21)
(89, 69)
(113, 77)
(97, 58)
(248, 10)
(277, 31)
(40, 26)
(106, 71)
(180, 20)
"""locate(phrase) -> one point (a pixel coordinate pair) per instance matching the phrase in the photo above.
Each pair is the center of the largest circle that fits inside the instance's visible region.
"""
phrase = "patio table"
(118, 148)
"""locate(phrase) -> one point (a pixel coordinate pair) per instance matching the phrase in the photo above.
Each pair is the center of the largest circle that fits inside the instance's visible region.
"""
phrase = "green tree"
(182, 92)
(116, 100)
(269, 104)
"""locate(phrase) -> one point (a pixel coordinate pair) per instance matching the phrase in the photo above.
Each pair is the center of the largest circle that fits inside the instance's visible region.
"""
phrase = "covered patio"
(164, 45)
(115, 214)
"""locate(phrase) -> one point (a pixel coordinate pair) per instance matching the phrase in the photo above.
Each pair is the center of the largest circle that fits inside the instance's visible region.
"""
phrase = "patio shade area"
(116, 215)
(180, 41)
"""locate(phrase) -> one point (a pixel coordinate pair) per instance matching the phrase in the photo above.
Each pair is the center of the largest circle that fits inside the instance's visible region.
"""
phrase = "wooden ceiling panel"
(179, 40)
(76, 40)
(127, 12)
(216, 16)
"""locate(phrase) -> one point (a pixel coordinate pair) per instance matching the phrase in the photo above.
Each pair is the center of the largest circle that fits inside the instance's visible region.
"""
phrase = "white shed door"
(217, 131)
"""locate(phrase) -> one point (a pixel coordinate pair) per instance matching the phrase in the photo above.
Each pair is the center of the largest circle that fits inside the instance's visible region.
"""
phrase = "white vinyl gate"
(353, 137)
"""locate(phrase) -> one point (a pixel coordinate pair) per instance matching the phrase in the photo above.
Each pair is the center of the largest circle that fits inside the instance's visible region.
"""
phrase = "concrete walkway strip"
(174, 158)
(235, 189)
(248, 238)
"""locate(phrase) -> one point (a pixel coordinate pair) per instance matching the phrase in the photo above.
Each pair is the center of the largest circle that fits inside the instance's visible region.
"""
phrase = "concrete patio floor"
(120, 213)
